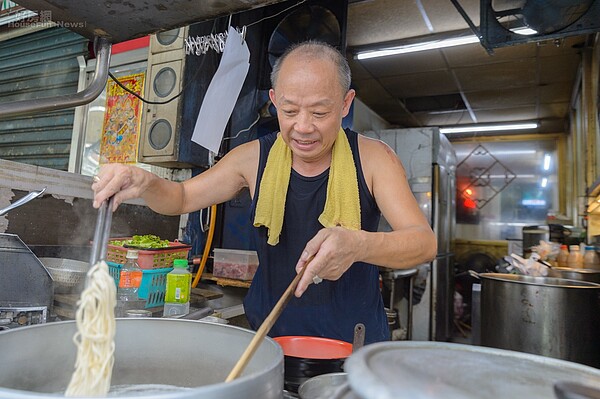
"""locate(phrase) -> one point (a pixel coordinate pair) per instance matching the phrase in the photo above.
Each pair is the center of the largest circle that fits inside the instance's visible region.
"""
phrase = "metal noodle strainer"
(68, 274)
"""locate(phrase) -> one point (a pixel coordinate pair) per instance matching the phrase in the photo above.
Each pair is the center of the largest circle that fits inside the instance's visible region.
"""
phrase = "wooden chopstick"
(266, 325)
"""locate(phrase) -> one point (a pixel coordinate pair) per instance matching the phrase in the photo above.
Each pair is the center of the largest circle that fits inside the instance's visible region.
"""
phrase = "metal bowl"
(68, 274)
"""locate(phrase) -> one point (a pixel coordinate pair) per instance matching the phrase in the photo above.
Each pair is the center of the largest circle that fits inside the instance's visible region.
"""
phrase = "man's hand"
(123, 181)
(335, 250)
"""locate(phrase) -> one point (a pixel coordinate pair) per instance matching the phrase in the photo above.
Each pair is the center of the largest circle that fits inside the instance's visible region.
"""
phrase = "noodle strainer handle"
(102, 232)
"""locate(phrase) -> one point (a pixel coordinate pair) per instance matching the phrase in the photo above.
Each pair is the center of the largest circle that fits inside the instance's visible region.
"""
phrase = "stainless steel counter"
(229, 306)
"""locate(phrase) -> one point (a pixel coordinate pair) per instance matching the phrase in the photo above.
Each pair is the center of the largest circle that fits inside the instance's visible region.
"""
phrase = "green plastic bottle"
(178, 290)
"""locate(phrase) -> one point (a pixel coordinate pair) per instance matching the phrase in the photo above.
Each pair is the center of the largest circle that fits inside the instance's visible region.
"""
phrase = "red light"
(469, 192)
(469, 203)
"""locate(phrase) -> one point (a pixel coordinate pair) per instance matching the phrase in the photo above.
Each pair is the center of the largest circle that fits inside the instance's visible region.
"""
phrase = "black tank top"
(332, 308)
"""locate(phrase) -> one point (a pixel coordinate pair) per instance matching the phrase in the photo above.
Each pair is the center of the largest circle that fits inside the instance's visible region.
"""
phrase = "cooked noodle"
(95, 335)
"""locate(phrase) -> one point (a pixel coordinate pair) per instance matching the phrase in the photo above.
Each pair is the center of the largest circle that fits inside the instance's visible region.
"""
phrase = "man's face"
(310, 106)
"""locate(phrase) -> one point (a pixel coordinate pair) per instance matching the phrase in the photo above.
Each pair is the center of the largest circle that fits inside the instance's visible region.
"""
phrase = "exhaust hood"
(119, 20)
(113, 21)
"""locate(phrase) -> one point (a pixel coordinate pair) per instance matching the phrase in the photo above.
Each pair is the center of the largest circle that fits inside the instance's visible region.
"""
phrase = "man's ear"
(348, 98)
(272, 97)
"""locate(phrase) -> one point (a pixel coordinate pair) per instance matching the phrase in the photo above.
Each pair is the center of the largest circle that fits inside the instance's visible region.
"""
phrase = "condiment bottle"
(178, 289)
(563, 255)
(575, 260)
(591, 259)
(130, 279)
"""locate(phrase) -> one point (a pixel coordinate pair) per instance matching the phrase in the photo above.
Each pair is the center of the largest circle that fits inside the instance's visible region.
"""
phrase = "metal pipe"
(392, 293)
(86, 96)
(467, 19)
(409, 316)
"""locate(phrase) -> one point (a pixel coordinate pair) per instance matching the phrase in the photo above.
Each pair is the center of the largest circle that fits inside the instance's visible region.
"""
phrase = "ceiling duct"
(435, 104)
(511, 22)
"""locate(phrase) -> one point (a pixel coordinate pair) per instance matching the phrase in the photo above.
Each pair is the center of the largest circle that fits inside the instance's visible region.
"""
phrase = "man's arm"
(218, 184)
(411, 241)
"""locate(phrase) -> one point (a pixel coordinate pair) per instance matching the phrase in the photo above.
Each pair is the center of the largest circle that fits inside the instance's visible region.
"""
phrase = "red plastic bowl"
(314, 347)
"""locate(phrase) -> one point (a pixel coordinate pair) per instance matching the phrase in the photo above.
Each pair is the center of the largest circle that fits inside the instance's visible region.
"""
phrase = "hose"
(209, 238)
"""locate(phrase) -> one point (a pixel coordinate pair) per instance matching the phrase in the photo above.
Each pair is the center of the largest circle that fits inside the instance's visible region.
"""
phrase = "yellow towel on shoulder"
(342, 204)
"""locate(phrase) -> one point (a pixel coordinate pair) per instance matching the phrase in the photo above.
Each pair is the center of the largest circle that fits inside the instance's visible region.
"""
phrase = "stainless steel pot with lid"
(428, 370)
(154, 358)
(545, 316)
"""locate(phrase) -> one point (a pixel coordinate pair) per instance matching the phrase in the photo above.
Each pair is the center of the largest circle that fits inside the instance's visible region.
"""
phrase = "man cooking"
(317, 191)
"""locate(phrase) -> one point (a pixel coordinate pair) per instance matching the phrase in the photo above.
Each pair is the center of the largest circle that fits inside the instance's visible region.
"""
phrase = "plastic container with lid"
(130, 279)
(563, 255)
(575, 259)
(591, 259)
(235, 264)
(178, 290)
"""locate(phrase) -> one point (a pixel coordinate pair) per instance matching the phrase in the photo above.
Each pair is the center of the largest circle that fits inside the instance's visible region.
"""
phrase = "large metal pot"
(433, 370)
(547, 316)
(191, 357)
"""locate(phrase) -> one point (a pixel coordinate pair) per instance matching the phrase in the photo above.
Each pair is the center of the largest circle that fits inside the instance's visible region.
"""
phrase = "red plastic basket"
(149, 258)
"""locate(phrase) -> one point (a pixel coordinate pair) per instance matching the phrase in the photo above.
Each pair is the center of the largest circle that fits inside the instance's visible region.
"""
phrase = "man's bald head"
(313, 50)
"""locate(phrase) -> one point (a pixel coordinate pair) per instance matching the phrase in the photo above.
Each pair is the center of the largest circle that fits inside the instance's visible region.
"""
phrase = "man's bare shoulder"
(376, 153)
(244, 160)
(250, 149)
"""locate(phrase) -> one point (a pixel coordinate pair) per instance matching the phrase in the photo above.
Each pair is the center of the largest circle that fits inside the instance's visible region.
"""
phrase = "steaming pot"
(177, 358)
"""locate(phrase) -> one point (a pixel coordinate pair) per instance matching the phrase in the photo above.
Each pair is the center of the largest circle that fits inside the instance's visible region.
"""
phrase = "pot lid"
(540, 281)
(426, 370)
(577, 270)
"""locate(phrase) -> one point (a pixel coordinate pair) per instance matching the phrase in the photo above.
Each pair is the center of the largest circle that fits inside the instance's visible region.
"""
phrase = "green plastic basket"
(153, 286)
